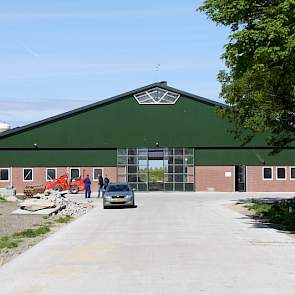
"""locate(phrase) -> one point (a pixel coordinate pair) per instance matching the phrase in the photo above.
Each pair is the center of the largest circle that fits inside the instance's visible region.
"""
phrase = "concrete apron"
(180, 243)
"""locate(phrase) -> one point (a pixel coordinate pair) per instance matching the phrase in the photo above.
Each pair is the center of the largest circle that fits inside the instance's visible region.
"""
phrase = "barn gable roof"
(88, 107)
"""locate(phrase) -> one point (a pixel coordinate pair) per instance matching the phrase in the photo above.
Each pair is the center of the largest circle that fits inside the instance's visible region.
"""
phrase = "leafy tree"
(259, 83)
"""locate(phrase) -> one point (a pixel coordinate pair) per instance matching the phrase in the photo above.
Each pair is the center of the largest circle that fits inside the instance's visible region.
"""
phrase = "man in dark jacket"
(87, 185)
(106, 182)
(100, 185)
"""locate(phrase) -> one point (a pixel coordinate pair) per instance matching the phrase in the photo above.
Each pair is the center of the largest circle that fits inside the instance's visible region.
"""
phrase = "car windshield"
(118, 188)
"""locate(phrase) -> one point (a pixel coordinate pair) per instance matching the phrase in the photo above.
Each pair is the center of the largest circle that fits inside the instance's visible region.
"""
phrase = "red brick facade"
(256, 183)
(207, 178)
(39, 176)
(215, 178)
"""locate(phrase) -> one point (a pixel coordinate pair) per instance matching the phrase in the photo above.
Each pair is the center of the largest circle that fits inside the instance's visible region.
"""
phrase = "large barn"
(155, 138)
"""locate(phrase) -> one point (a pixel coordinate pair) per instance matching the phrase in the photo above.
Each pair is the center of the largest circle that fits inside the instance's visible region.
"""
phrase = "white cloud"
(21, 111)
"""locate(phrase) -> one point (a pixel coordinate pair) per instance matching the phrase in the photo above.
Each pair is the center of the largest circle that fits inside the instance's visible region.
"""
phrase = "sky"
(58, 55)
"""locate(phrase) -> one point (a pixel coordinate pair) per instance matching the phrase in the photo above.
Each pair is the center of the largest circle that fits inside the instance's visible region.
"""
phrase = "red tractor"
(62, 183)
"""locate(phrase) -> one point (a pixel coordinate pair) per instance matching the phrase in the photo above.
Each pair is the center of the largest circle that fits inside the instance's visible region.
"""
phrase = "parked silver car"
(118, 194)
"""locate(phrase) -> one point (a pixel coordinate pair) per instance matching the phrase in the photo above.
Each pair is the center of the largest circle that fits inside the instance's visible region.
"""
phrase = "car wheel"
(74, 189)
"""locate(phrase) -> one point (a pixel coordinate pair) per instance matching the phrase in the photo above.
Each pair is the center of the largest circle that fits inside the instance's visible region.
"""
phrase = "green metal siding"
(90, 137)
(125, 123)
(56, 158)
(243, 157)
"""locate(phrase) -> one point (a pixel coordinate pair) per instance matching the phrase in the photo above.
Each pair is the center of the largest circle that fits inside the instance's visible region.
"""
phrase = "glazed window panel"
(179, 178)
(281, 173)
(132, 160)
(50, 174)
(189, 151)
(143, 152)
(267, 173)
(122, 160)
(143, 163)
(178, 160)
(28, 174)
(122, 152)
(132, 177)
(75, 173)
(4, 174)
(132, 169)
(142, 169)
(188, 160)
(188, 178)
(177, 169)
(142, 177)
(178, 151)
(132, 152)
(96, 173)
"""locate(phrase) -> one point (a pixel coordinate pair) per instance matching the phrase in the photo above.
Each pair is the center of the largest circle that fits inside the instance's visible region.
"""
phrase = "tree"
(259, 83)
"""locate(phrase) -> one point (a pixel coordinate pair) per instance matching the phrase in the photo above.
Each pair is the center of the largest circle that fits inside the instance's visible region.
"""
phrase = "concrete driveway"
(171, 244)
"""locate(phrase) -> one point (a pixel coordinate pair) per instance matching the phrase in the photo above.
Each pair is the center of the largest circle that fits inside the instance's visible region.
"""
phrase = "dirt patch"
(240, 208)
(12, 224)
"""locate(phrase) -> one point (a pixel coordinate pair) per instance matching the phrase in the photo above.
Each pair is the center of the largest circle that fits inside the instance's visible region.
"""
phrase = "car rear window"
(118, 188)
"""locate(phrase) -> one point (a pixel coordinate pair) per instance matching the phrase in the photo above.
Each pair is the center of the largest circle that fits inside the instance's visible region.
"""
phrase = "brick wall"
(39, 176)
(215, 178)
(256, 183)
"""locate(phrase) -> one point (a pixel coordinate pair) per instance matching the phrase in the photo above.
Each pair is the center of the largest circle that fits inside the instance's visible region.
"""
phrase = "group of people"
(102, 185)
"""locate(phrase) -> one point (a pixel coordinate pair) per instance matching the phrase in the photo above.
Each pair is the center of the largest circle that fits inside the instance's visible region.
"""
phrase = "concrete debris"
(55, 199)
(11, 199)
(46, 212)
(36, 204)
(7, 192)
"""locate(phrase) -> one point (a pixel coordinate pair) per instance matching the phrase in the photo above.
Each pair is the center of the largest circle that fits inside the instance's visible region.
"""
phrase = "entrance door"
(240, 178)
(156, 170)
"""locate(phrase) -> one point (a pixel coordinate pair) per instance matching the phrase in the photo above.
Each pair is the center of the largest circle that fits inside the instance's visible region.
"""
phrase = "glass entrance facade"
(167, 169)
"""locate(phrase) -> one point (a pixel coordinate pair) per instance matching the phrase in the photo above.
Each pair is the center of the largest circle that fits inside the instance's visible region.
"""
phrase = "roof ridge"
(162, 84)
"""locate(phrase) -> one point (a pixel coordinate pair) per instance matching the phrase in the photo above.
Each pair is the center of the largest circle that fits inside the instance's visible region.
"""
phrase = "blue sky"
(58, 55)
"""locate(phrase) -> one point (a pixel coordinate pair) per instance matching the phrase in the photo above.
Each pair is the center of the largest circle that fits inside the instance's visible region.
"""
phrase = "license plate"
(118, 200)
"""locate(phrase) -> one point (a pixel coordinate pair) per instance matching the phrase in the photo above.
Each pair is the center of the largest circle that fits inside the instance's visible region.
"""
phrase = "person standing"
(87, 185)
(106, 182)
(100, 185)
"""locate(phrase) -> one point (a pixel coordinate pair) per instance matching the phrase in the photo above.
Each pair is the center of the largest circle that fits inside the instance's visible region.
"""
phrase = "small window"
(75, 173)
(4, 174)
(50, 173)
(28, 174)
(96, 173)
(281, 173)
(267, 173)
(292, 173)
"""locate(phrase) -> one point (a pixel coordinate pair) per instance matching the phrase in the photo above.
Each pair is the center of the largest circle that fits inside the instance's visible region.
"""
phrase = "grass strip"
(64, 219)
(8, 242)
(32, 232)
(2, 199)
(276, 213)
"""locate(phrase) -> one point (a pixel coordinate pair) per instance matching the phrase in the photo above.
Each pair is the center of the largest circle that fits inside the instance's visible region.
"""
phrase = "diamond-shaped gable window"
(156, 95)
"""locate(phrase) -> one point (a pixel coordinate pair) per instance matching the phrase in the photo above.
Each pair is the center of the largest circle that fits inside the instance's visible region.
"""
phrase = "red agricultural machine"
(63, 183)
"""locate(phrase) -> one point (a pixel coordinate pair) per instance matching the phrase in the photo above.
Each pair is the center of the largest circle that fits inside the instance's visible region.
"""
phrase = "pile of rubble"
(60, 204)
